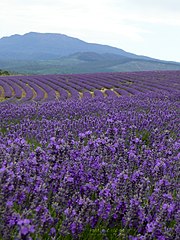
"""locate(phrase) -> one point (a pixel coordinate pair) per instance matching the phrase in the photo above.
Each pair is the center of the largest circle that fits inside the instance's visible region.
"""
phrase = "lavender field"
(90, 156)
(40, 88)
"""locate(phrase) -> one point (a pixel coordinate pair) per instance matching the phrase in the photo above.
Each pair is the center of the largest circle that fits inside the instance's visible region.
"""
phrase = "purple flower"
(9, 203)
(177, 145)
(73, 228)
(2, 170)
(53, 231)
(23, 222)
(24, 230)
(151, 227)
(70, 179)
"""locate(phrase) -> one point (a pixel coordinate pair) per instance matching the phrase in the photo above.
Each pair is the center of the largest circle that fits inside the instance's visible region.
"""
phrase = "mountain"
(42, 46)
(43, 53)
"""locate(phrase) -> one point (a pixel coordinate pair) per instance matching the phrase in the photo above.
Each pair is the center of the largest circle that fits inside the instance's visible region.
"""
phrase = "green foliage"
(3, 130)
(33, 142)
(145, 136)
(171, 224)
(103, 232)
(4, 73)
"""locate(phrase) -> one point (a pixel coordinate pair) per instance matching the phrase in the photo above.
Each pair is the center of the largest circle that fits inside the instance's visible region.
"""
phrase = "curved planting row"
(53, 87)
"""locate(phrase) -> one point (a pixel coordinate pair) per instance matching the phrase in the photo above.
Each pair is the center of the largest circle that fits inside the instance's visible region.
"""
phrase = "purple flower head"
(24, 230)
(9, 203)
(168, 196)
(12, 222)
(25, 226)
(169, 207)
(27, 229)
(161, 238)
(88, 133)
(134, 202)
(2, 170)
(82, 135)
(52, 139)
(151, 227)
(9, 142)
(53, 231)
(136, 140)
(110, 120)
(23, 222)
(177, 145)
(38, 208)
(70, 179)
(178, 156)
(73, 228)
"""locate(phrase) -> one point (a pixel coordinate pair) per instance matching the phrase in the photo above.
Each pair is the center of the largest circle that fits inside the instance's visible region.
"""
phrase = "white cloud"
(128, 24)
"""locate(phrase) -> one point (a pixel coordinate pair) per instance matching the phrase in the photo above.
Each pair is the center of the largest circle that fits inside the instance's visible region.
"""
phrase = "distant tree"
(4, 72)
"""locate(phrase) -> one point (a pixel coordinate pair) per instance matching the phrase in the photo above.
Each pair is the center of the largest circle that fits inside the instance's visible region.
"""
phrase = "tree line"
(4, 72)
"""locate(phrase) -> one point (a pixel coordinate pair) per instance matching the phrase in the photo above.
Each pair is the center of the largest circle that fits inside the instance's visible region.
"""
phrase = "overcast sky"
(144, 27)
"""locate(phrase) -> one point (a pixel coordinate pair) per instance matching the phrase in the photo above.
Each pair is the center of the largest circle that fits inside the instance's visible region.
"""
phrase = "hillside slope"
(46, 53)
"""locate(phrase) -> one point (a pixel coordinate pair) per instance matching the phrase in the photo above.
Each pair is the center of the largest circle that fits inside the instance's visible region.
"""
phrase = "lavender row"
(51, 87)
(7, 89)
